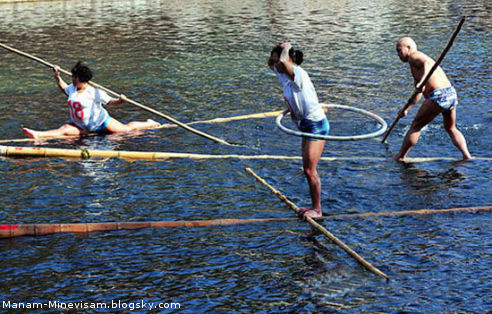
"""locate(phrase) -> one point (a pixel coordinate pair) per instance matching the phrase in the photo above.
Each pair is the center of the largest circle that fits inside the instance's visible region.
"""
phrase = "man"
(440, 97)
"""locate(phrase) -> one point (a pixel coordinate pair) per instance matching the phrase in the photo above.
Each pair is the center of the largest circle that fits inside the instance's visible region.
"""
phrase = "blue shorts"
(445, 98)
(103, 126)
(321, 127)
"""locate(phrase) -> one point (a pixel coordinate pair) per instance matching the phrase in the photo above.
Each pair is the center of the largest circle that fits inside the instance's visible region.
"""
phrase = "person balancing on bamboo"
(302, 102)
(86, 111)
(440, 97)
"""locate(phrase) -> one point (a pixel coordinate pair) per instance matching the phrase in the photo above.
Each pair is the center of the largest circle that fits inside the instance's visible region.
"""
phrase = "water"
(207, 59)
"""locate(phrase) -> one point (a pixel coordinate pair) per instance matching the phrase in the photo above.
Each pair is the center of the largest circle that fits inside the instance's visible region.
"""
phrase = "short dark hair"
(296, 55)
(82, 72)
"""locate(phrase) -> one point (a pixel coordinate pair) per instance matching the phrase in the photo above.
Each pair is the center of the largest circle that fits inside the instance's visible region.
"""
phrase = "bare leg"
(311, 154)
(449, 119)
(64, 130)
(427, 112)
(115, 126)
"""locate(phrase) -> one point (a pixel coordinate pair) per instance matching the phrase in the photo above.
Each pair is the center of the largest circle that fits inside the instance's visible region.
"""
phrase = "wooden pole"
(260, 115)
(427, 77)
(17, 230)
(319, 227)
(160, 114)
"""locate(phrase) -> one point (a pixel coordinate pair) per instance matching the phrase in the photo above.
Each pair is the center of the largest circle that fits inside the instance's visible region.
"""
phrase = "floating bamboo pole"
(148, 109)
(427, 77)
(260, 115)
(19, 151)
(17, 230)
(320, 228)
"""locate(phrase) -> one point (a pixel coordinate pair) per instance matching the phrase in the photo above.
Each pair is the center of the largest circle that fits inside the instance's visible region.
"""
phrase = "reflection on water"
(207, 59)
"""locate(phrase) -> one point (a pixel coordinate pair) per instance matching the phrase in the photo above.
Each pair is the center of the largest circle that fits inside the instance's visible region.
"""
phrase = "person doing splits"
(86, 111)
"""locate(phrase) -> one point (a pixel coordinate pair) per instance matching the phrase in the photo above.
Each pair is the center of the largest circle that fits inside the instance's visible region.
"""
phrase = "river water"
(205, 59)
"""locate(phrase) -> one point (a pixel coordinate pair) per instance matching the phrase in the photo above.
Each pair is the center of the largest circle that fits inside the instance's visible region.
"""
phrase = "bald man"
(440, 98)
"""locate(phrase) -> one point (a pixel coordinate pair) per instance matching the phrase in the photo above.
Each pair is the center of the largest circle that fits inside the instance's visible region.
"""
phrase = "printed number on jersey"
(76, 110)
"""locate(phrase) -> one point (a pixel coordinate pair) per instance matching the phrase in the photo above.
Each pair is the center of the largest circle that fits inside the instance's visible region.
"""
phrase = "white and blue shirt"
(300, 96)
(86, 109)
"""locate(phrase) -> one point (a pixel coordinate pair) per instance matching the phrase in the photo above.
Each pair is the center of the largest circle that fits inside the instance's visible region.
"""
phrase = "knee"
(450, 128)
(415, 127)
(310, 172)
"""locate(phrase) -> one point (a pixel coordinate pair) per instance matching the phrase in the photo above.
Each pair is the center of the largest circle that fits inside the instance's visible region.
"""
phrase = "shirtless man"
(440, 97)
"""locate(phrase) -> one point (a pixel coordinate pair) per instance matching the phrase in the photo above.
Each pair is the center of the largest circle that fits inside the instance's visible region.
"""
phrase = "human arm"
(418, 65)
(285, 62)
(59, 81)
(413, 100)
(115, 101)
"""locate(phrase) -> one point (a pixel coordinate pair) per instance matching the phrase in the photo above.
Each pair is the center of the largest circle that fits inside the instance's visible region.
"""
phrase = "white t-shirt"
(300, 96)
(86, 109)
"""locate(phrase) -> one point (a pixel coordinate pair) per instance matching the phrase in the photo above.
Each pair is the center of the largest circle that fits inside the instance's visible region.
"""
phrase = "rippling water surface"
(206, 59)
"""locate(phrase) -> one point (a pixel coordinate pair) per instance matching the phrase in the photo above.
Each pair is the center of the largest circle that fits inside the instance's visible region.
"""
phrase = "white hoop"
(383, 128)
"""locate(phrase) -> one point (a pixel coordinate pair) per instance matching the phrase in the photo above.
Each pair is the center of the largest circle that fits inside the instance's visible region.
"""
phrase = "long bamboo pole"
(320, 228)
(160, 114)
(260, 115)
(20, 151)
(17, 230)
(427, 77)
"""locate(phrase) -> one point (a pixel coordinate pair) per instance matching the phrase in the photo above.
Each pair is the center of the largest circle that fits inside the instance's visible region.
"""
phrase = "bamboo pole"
(20, 151)
(17, 230)
(427, 77)
(260, 115)
(141, 106)
(319, 227)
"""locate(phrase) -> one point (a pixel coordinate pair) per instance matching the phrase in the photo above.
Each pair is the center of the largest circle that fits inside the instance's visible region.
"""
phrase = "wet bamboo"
(141, 106)
(320, 228)
(20, 151)
(427, 77)
(260, 115)
(17, 230)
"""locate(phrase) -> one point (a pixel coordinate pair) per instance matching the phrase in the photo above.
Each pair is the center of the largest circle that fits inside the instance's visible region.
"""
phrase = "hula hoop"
(383, 128)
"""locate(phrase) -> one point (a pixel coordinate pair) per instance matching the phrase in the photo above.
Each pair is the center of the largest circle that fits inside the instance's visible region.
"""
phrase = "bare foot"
(153, 124)
(302, 211)
(398, 158)
(313, 213)
(469, 157)
(30, 133)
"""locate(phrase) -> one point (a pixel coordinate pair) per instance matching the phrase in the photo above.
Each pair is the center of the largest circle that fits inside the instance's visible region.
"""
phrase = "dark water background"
(205, 59)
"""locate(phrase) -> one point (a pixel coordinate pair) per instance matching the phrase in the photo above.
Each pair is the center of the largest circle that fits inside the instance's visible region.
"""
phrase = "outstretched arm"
(115, 101)
(59, 81)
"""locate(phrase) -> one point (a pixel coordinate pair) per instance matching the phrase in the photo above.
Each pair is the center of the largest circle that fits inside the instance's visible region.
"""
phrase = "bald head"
(407, 42)
(405, 46)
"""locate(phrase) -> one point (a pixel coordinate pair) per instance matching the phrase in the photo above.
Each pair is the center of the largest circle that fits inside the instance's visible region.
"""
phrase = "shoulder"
(418, 58)
(70, 89)
(298, 69)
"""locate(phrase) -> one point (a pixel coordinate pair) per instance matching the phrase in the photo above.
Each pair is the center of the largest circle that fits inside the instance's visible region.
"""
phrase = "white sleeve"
(298, 76)
(70, 89)
(102, 96)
